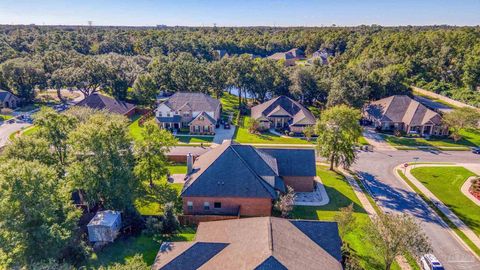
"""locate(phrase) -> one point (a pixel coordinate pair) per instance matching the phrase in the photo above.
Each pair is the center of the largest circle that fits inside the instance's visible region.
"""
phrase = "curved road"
(393, 195)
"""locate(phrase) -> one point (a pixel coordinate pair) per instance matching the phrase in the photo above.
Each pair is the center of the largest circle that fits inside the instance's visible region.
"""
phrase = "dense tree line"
(366, 62)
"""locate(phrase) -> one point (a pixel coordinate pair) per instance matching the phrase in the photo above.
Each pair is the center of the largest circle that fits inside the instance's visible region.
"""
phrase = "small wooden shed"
(104, 226)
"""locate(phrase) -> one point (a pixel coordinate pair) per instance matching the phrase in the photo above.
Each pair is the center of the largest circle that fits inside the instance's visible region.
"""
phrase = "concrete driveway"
(394, 196)
(222, 134)
(376, 140)
(7, 129)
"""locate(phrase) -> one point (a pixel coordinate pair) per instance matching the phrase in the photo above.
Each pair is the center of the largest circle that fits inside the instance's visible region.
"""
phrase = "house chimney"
(189, 163)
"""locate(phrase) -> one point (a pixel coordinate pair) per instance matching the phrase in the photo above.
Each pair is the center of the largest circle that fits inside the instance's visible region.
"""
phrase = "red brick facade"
(229, 205)
(300, 183)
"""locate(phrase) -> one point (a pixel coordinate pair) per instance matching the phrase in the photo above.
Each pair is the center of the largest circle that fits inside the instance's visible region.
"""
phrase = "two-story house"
(196, 112)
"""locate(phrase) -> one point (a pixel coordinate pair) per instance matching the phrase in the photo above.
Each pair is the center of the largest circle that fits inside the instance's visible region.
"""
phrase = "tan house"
(403, 113)
(283, 113)
(8, 100)
(234, 179)
(196, 112)
(256, 243)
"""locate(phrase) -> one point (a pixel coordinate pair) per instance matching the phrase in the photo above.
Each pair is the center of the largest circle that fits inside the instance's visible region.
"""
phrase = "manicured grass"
(149, 203)
(438, 142)
(135, 129)
(180, 168)
(341, 195)
(194, 139)
(122, 250)
(440, 214)
(362, 141)
(5, 117)
(242, 135)
(445, 183)
(471, 135)
(229, 105)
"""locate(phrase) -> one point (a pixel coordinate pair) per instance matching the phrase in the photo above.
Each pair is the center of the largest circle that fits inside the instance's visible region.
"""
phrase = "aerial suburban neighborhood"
(239, 135)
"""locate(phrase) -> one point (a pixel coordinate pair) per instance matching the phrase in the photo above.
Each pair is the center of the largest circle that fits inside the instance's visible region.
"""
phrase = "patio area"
(318, 197)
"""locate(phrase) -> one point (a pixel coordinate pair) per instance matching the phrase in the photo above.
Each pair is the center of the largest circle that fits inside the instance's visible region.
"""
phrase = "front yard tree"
(37, 219)
(338, 131)
(102, 161)
(459, 119)
(151, 162)
(393, 235)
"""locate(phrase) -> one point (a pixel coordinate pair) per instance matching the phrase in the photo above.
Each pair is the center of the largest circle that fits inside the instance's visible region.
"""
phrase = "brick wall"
(248, 206)
(188, 220)
(300, 183)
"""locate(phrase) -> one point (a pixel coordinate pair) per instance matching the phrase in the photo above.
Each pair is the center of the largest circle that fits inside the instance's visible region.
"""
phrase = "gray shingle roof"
(101, 102)
(295, 109)
(294, 162)
(206, 115)
(231, 171)
(171, 119)
(263, 243)
(196, 101)
(402, 108)
(194, 257)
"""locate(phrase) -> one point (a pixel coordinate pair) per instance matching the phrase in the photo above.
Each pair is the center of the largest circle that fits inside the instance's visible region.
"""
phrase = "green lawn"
(445, 183)
(123, 250)
(149, 203)
(362, 141)
(180, 168)
(471, 135)
(341, 195)
(194, 139)
(5, 117)
(471, 139)
(229, 104)
(242, 135)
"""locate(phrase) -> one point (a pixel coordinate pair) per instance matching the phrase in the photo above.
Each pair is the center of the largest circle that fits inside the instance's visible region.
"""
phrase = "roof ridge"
(270, 234)
(262, 182)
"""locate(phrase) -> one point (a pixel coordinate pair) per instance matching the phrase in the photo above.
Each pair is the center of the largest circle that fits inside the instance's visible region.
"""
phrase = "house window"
(206, 206)
(190, 205)
(159, 114)
(206, 129)
(168, 114)
(217, 205)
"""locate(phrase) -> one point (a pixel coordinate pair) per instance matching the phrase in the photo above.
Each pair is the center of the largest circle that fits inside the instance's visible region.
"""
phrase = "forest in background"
(367, 62)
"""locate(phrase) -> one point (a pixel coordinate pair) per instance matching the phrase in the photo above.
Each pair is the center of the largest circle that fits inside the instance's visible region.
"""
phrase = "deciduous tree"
(459, 119)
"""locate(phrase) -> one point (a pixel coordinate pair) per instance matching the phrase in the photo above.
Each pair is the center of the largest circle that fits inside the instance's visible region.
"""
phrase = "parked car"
(476, 150)
(430, 262)
(226, 125)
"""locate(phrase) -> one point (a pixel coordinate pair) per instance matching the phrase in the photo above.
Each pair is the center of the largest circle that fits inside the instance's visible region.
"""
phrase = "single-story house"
(8, 100)
(283, 112)
(104, 226)
(400, 112)
(256, 243)
(101, 102)
(197, 112)
(289, 57)
(241, 180)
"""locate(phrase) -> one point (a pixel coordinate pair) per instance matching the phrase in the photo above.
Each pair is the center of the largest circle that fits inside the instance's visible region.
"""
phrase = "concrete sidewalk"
(438, 203)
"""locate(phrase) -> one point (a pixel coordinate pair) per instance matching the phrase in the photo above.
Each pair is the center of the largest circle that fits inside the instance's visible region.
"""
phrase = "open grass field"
(123, 250)
(242, 135)
(341, 195)
(445, 183)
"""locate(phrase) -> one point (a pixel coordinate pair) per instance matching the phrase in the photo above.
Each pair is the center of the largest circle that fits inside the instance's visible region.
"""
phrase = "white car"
(430, 262)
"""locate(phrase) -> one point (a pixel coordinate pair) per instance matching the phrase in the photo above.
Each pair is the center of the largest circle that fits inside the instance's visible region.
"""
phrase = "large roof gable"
(280, 105)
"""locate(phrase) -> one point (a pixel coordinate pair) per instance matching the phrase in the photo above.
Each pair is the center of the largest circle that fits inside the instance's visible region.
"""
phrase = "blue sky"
(241, 12)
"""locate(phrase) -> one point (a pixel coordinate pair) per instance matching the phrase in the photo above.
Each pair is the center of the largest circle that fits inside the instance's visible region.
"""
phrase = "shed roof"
(104, 218)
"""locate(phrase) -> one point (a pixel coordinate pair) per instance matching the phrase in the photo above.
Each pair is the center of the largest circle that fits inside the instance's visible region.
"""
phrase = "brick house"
(8, 100)
(283, 113)
(234, 179)
(400, 112)
(256, 243)
(101, 102)
(196, 112)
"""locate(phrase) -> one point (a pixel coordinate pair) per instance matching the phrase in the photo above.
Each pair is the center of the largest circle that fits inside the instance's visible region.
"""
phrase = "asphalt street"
(394, 196)
(7, 129)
